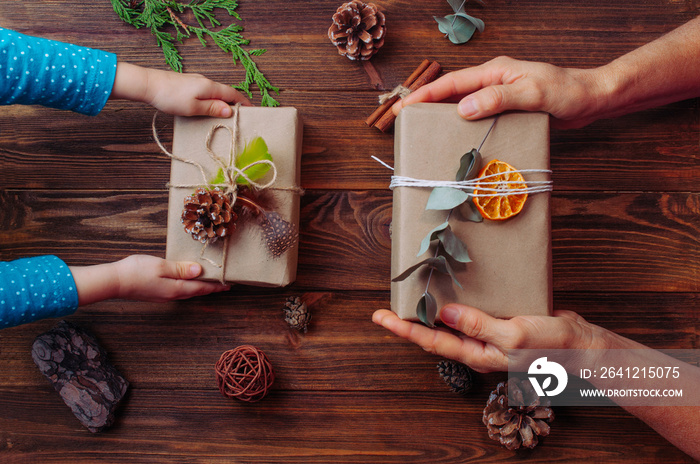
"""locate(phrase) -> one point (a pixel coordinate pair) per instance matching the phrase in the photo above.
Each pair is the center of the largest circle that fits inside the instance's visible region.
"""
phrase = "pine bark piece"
(77, 367)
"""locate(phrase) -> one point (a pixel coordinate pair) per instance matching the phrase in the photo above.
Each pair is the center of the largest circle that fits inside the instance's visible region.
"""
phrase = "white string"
(493, 188)
(381, 162)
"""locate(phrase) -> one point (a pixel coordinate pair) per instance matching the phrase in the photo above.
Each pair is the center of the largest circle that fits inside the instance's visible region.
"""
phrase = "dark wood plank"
(309, 427)
(175, 345)
(601, 242)
(301, 56)
(655, 150)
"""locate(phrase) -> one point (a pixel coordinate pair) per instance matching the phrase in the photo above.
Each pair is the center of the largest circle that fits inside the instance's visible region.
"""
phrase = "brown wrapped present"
(249, 259)
(510, 269)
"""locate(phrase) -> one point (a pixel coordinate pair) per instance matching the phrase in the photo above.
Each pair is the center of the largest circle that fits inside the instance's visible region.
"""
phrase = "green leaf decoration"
(255, 150)
(469, 212)
(427, 309)
(439, 263)
(453, 246)
(468, 165)
(432, 235)
(219, 179)
(442, 198)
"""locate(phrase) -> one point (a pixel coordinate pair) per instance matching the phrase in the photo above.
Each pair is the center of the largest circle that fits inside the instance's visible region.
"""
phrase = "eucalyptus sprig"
(159, 14)
(448, 245)
(459, 27)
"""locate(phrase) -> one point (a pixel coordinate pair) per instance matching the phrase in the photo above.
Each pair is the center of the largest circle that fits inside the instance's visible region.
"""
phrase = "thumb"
(213, 108)
(475, 323)
(185, 270)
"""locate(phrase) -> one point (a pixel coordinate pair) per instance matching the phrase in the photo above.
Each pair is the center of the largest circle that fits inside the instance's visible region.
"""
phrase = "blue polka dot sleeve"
(54, 74)
(35, 288)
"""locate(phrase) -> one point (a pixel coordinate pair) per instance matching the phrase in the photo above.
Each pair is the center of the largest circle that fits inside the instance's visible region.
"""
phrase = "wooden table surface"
(625, 234)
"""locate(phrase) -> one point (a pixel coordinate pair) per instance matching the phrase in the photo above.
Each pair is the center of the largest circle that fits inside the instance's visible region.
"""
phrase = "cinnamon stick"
(379, 112)
(387, 120)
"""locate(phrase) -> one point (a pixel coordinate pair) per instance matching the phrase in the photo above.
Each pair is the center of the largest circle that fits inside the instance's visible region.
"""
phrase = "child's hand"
(141, 277)
(175, 93)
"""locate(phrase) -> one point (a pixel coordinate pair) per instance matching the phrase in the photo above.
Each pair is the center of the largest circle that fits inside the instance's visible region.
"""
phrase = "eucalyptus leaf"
(468, 165)
(404, 275)
(440, 264)
(479, 24)
(427, 309)
(457, 5)
(469, 212)
(432, 235)
(453, 246)
(458, 29)
(255, 150)
(442, 198)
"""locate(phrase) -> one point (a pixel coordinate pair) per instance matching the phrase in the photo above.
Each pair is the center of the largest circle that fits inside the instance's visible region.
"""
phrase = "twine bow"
(231, 175)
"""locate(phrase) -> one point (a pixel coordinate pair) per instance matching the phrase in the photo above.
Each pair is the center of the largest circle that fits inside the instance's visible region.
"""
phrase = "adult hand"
(574, 97)
(484, 343)
(175, 93)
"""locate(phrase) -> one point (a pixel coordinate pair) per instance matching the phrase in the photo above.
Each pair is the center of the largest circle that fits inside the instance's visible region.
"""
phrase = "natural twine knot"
(399, 91)
(244, 373)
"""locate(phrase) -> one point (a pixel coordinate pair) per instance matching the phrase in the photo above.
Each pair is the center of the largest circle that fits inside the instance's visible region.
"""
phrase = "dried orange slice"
(497, 206)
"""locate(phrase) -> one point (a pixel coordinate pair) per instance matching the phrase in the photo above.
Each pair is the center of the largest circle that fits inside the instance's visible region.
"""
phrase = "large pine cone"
(456, 375)
(208, 215)
(358, 30)
(519, 425)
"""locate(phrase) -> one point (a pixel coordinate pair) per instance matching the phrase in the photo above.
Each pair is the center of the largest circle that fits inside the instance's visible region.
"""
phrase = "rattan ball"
(244, 373)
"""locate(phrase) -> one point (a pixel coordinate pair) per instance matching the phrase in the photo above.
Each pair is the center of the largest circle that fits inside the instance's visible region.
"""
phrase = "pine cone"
(358, 30)
(296, 314)
(519, 425)
(208, 215)
(456, 375)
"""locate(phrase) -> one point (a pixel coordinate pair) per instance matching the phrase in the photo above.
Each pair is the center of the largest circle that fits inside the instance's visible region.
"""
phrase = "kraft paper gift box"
(248, 259)
(510, 272)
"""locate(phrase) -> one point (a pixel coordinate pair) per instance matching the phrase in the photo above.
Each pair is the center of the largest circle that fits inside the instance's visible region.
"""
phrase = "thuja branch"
(156, 15)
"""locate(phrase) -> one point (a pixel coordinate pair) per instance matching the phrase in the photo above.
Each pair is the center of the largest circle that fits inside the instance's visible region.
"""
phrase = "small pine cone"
(519, 425)
(358, 30)
(296, 314)
(208, 215)
(456, 375)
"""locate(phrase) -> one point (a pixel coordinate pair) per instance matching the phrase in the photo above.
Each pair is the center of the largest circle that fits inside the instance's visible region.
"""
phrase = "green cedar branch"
(156, 15)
